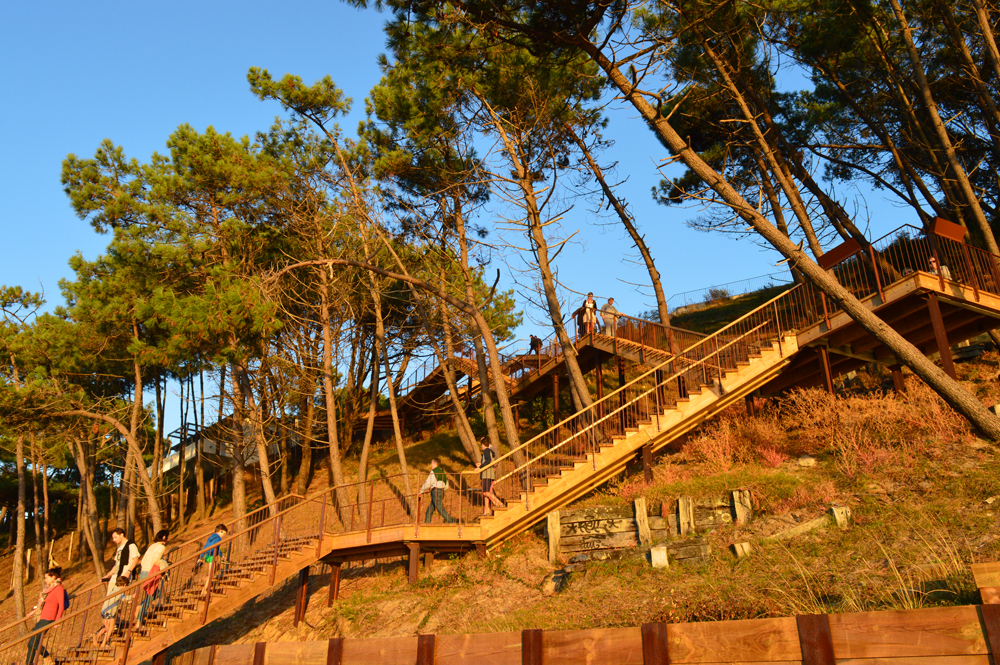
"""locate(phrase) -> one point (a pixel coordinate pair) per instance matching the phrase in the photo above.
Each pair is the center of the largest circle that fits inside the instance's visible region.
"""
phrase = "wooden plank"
(554, 531)
(597, 513)
(929, 660)
(202, 656)
(234, 654)
(259, 653)
(642, 524)
(734, 641)
(840, 253)
(384, 651)
(482, 649)
(986, 574)
(952, 631)
(622, 646)
(297, 653)
(946, 229)
(990, 618)
(591, 543)
(604, 527)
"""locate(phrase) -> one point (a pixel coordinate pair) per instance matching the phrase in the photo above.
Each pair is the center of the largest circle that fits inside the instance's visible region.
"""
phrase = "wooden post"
(751, 406)
(685, 515)
(259, 653)
(824, 360)
(647, 462)
(898, 382)
(414, 561)
(555, 531)
(301, 596)
(481, 550)
(621, 394)
(428, 561)
(742, 506)
(655, 648)
(160, 658)
(334, 584)
(531, 647)
(425, 650)
(815, 639)
(642, 523)
(940, 335)
(335, 651)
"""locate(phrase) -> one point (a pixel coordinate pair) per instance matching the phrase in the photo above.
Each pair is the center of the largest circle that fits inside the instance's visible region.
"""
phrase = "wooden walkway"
(678, 381)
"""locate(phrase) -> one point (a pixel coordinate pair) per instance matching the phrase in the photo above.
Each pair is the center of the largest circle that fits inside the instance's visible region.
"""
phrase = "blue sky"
(77, 73)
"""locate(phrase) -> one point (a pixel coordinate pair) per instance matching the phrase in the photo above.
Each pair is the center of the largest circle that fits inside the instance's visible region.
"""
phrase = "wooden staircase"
(530, 493)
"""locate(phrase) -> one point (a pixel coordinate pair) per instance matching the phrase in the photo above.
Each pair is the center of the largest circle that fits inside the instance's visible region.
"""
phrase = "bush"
(717, 294)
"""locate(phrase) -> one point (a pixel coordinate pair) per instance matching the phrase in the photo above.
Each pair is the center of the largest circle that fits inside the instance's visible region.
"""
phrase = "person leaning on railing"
(933, 265)
(610, 317)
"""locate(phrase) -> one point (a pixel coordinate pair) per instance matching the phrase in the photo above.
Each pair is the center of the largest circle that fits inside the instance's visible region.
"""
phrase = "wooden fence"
(967, 635)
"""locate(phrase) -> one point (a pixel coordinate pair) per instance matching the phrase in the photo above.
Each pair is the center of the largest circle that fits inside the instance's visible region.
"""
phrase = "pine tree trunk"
(40, 562)
(18, 569)
(333, 441)
(950, 390)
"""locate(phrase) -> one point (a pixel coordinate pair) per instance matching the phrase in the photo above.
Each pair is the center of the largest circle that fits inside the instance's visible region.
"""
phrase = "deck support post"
(898, 382)
(555, 397)
(621, 395)
(824, 359)
(414, 561)
(940, 335)
(647, 462)
(160, 658)
(751, 406)
(428, 561)
(334, 584)
(301, 595)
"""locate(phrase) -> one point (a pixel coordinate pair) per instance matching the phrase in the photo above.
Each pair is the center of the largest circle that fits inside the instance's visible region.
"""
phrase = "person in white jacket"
(437, 483)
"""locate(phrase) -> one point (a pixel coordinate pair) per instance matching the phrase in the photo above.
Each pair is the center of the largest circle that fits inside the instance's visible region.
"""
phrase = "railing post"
(322, 522)
(371, 496)
(878, 280)
(973, 277)
(128, 632)
(274, 564)
(416, 516)
(83, 624)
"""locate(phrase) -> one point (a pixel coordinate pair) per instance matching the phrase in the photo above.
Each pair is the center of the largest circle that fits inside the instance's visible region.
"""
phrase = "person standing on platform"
(610, 317)
(589, 314)
(535, 346)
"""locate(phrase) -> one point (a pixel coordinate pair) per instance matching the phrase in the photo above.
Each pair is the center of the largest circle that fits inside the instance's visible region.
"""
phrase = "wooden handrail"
(607, 397)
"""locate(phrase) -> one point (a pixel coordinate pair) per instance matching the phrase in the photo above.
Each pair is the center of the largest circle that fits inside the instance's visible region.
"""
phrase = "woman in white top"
(153, 553)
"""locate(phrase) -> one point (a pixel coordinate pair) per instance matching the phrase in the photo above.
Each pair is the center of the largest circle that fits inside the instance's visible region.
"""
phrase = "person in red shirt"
(51, 605)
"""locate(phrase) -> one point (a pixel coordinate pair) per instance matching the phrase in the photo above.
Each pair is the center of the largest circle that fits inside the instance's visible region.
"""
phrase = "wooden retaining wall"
(967, 635)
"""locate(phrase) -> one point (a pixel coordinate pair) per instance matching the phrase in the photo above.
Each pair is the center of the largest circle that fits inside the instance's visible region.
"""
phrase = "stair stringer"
(602, 466)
